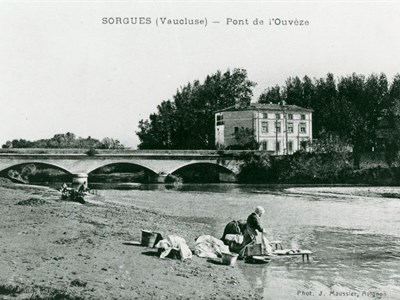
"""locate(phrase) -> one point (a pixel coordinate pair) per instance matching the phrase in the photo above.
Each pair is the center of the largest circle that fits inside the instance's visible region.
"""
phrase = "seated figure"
(235, 227)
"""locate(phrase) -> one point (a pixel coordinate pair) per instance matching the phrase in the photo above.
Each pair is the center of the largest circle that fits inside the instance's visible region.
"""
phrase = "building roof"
(262, 106)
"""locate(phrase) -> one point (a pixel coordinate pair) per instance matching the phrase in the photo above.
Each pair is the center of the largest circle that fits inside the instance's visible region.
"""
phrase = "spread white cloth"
(209, 246)
(237, 238)
(177, 243)
(266, 245)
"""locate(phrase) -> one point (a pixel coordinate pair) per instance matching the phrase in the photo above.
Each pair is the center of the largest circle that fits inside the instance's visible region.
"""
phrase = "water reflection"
(344, 261)
(209, 188)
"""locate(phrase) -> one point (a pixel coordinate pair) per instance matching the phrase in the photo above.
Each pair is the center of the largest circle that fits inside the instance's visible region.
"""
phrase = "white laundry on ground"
(174, 242)
(209, 246)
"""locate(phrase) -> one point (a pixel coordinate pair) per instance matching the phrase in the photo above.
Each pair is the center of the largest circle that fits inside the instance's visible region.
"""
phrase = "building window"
(236, 130)
(278, 127)
(290, 116)
(264, 145)
(290, 146)
(265, 116)
(220, 120)
(290, 127)
(303, 128)
(277, 116)
(303, 117)
(264, 127)
(303, 145)
(277, 147)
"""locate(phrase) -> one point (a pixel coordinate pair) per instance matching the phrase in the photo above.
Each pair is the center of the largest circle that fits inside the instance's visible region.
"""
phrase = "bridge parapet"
(104, 151)
(133, 152)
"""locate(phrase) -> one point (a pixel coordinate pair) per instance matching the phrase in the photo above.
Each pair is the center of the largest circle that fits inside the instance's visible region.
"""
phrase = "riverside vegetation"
(315, 168)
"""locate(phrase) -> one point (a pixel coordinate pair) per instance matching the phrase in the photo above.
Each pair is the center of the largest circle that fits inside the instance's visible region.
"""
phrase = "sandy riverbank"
(351, 191)
(53, 248)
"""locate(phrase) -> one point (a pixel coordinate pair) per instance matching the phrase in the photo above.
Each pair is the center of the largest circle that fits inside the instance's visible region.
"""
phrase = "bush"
(306, 167)
(256, 167)
(173, 179)
(91, 152)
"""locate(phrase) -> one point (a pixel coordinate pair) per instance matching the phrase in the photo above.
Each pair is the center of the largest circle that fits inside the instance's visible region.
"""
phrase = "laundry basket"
(150, 238)
(229, 258)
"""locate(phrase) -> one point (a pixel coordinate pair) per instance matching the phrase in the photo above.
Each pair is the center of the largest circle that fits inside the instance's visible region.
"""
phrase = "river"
(355, 240)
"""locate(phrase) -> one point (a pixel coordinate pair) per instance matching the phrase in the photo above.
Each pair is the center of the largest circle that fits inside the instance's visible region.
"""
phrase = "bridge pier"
(228, 177)
(78, 179)
(160, 178)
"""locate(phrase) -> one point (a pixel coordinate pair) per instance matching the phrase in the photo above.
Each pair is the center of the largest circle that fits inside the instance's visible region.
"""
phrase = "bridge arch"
(219, 166)
(28, 162)
(34, 172)
(204, 172)
(92, 169)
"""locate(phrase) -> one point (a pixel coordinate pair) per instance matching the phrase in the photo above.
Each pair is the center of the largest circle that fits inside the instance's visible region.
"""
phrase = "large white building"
(281, 129)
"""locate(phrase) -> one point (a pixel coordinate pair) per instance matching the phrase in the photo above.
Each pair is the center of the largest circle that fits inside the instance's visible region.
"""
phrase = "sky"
(63, 70)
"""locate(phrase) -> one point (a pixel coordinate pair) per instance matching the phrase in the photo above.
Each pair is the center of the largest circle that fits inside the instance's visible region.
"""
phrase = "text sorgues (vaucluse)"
(164, 21)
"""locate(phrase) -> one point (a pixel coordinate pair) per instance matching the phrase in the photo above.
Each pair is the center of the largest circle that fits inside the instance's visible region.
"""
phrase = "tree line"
(348, 110)
(67, 140)
(350, 107)
(186, 121)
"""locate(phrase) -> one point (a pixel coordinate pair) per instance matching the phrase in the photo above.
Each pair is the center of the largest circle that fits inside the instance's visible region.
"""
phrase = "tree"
(67, 140)
(245, 140)
(21, 143)
(324, 105)
(330, 142)
(187, 120)
(160, 131)
(110, 143)
(364, 100)
(309, 93)
(8, 144)
(390, 123)
(271, 95)
(293, 91)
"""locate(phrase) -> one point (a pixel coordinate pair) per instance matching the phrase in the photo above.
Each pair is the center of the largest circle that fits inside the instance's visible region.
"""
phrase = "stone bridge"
(161, 163)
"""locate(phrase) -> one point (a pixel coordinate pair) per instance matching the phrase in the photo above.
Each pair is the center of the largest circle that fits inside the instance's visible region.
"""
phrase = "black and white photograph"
(199, 150)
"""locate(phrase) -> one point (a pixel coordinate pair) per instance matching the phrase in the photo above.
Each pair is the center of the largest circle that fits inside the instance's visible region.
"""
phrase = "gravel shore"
(363, 191)
(53, 249)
